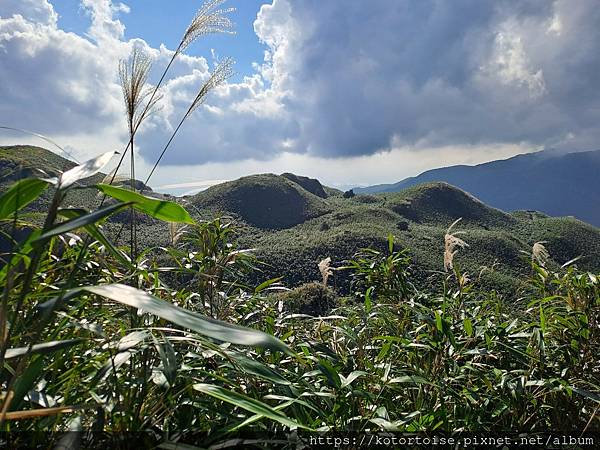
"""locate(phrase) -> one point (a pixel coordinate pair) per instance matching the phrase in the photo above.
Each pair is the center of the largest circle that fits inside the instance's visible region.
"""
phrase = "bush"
(313, 299)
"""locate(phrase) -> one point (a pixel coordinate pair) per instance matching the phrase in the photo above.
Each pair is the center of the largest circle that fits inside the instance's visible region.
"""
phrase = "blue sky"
(159, 22)
(347, 91)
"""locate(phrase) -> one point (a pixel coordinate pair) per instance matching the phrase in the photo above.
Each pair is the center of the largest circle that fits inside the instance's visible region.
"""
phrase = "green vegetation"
(293, 229)
(263, 201)
(95, 341)
(418, 311)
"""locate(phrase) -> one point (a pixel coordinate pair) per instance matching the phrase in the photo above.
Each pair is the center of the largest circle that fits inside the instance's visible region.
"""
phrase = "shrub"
(313, 299)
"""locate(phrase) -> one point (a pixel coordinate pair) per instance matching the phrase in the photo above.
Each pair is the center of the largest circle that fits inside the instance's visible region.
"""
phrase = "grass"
(263, 201)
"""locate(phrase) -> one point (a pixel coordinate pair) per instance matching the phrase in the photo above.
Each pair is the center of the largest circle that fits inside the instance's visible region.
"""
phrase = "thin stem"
(163, 152)
(135, 128)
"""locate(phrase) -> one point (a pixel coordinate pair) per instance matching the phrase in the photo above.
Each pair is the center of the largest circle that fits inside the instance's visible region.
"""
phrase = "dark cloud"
(367, 76)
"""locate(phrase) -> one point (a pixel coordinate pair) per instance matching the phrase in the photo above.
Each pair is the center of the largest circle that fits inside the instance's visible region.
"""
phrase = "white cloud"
(386, 87)
(511, 64)
(39, 11)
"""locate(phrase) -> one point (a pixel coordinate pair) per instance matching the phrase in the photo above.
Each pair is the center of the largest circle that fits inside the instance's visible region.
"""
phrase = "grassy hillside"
(22, 161)
(292, 229)
(265, 201)
(418, 218)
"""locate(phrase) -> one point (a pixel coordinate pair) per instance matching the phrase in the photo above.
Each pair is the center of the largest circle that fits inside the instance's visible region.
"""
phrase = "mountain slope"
(293, 229)
(265, 201)
(555, 183)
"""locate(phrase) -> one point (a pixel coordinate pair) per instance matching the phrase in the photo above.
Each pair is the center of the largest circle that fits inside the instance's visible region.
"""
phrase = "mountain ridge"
(292, 229)
(558, 184)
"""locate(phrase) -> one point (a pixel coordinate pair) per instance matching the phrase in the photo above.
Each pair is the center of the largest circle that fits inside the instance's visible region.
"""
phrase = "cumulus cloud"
(40, 11)
(364, 78)
(54, 82)
(339, 79)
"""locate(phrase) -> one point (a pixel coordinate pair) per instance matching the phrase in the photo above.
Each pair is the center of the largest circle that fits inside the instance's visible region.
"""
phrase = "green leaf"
(256, 368)
(468, 326)
(206, 326)
(26, 381)
(409, 379)
(81, 221)
(159, 209)
(125, 349)
(247, 403)
(20, 195)
(46, 347)
(261, 287)
(368, 300)
(21, 253)
(85, 170)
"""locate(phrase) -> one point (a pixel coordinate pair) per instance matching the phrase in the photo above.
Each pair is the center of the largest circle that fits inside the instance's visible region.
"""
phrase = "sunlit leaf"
(159, 209)
(246, 403)
(85, 170)
(206, 326)
(46, 347)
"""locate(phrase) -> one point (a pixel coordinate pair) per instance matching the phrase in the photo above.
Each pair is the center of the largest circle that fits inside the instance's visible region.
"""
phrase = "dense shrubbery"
(92, 342)
(313, 299)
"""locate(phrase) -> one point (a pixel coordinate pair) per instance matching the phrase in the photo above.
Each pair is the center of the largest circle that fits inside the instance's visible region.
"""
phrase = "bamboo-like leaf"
(264, 285)
(82, 221)
(206, 326)
(46, 347)
(256, 368)
(27, 380)
(159, 209)
(21, 194)
(247, 403)
(353, 376)
(85, 170)
(329, 371)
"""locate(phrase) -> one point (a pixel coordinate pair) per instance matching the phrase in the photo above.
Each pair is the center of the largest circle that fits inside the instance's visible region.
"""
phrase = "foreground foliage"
(93, 340)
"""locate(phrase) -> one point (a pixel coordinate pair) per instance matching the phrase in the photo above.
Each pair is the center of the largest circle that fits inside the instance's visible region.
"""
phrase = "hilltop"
(556, 183)
(265, 201)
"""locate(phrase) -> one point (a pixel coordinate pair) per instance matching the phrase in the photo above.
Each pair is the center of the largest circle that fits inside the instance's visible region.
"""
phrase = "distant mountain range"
(555, 183)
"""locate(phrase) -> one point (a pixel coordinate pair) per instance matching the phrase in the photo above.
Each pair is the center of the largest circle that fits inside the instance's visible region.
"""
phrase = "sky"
(350, 92)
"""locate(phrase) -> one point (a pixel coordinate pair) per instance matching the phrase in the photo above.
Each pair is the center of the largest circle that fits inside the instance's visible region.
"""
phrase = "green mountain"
(553, 182)
(294, 222)
(418, 217)
(265, 201)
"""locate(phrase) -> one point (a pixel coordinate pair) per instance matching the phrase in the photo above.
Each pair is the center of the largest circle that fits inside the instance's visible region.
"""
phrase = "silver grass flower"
(208, 20)
(451, 242)
(222, 72)
(325, 269)
(539, 253)
(133, 76)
